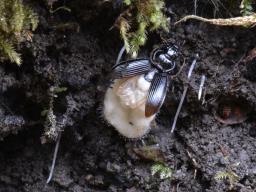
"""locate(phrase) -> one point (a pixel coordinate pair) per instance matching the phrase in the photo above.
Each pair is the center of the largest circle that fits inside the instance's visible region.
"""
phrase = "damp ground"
(212, 149)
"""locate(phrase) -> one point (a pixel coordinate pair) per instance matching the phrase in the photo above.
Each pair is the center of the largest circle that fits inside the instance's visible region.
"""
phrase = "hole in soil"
(231, 110)
(52, 51)
(17, 103)
(16, 143)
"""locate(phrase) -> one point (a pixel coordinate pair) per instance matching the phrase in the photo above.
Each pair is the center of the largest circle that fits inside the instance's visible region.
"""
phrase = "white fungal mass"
(124, 106)
(132, 92)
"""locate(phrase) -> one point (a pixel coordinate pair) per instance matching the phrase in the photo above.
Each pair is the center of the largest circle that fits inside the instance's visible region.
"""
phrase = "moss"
(246, 7)
(52, 126)
(16, 22)
(163, 171)
(232, 177)
(140, 17)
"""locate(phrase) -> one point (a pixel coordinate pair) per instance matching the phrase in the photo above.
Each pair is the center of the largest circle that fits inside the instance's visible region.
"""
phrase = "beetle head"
(163, 58)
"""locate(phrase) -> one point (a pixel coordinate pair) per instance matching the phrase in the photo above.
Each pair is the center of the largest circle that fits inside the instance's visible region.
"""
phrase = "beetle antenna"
(192, 66)
(54, 158)
(120, 54)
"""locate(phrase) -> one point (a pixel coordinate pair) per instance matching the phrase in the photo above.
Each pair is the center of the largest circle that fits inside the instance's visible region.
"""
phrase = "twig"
(60, 8)
(54, 158)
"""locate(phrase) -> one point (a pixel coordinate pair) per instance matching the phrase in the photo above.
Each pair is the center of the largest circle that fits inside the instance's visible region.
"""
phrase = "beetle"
(138, 91)
(155, 71)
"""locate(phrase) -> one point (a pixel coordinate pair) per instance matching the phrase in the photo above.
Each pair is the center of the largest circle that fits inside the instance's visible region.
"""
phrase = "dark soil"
(76, 50)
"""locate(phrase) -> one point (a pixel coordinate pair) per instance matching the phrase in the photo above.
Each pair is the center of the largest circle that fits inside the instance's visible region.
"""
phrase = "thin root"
(245, 21)
(181, 68)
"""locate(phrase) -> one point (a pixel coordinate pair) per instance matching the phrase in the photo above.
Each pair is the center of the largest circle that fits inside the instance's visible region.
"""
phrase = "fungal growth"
(124, 106)
(138, 91)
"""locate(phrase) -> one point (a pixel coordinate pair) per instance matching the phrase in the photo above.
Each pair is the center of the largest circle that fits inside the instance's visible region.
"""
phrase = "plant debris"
(152, 152)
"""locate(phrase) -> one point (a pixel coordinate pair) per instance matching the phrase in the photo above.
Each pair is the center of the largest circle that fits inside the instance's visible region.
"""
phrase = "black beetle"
(156, 70)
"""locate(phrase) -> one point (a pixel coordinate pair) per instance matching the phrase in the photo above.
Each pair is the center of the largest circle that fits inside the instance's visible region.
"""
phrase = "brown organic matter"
(232, 110)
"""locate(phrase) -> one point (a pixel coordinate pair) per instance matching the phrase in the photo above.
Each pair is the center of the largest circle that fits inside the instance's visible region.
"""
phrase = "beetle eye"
(172, 51)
